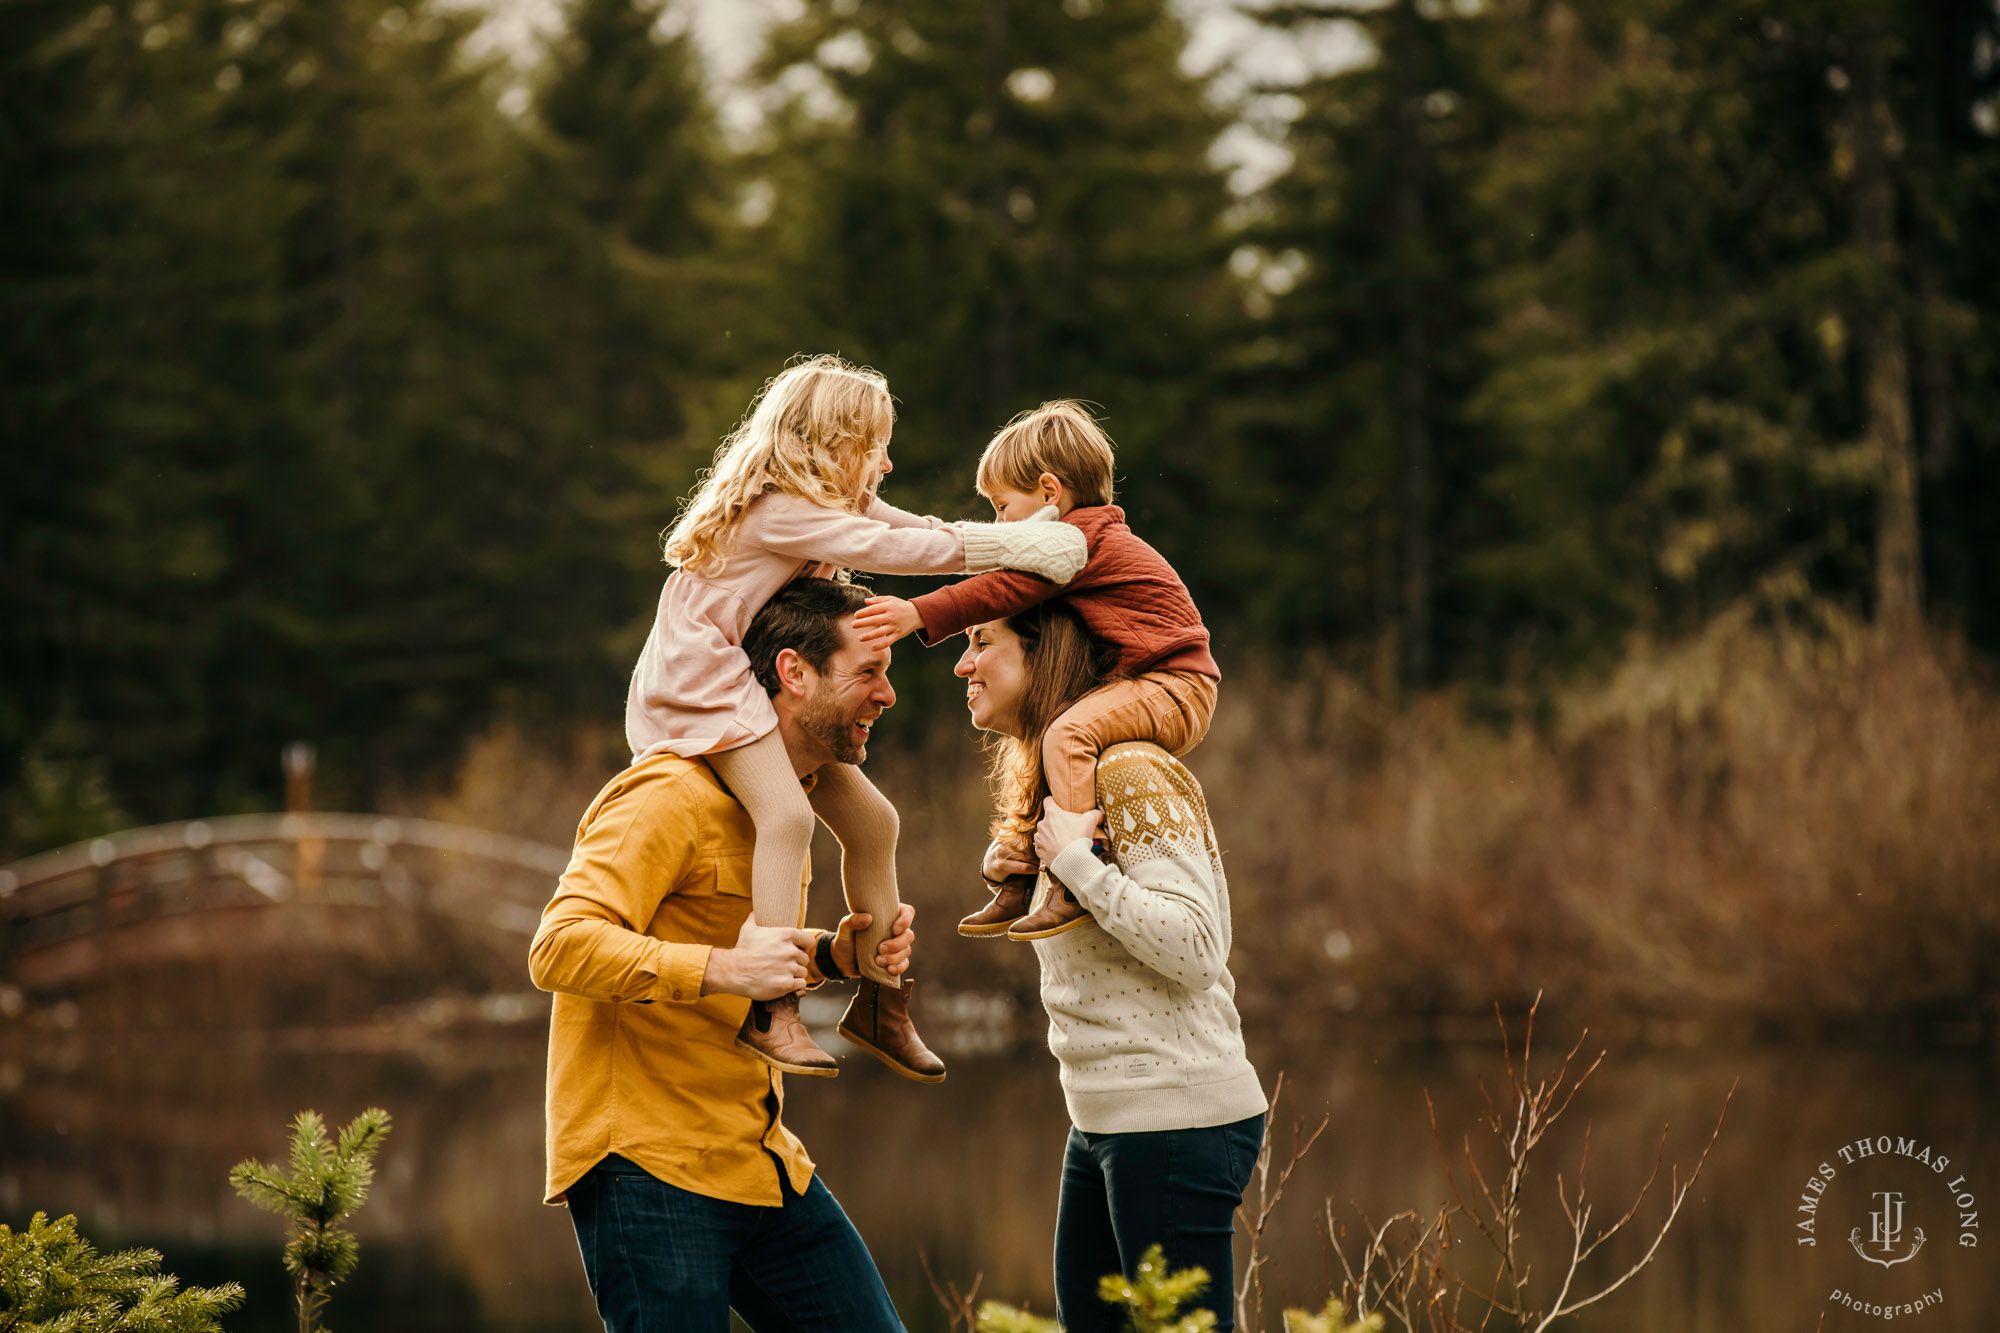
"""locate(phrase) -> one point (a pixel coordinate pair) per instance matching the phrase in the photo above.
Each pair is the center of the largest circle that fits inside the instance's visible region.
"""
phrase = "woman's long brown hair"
(1063, 663)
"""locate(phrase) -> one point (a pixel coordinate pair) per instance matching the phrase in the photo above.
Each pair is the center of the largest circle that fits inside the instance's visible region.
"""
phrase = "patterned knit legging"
(760, 776)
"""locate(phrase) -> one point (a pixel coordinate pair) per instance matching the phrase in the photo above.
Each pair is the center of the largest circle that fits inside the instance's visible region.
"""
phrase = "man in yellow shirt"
(688, 1194)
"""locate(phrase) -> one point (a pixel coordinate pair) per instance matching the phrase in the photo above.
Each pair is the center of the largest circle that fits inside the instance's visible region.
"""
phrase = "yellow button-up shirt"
(641, 1063)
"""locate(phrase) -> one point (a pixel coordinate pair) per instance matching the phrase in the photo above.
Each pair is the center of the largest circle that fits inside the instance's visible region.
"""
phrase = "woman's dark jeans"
(1121, 1193)
(665, 1260)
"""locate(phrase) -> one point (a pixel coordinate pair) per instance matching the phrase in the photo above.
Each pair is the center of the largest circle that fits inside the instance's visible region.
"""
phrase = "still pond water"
(136, 1137)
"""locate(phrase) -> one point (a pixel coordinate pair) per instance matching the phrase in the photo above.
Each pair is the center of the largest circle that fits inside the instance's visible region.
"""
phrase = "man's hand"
(768, 961)
(1003, 859)
(1059, 828)
(892, 955)
(885, 620)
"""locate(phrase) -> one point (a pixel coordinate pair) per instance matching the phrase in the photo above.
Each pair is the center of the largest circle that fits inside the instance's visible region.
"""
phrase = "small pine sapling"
(327, 1183)
(51, 1278)
(1332, 1319)
(1152, 1297)
(997, 1318)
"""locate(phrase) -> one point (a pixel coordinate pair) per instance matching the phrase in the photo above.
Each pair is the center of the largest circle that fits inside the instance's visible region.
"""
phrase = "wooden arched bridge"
(281, 912)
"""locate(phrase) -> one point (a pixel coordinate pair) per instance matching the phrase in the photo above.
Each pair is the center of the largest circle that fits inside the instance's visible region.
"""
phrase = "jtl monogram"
(1885, 1230)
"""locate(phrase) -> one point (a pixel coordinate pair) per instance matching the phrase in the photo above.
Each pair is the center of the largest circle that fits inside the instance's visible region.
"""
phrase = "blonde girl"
(792, 494)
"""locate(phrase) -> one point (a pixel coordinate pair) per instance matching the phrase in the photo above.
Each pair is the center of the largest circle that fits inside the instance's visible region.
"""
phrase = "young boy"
(1127, 595)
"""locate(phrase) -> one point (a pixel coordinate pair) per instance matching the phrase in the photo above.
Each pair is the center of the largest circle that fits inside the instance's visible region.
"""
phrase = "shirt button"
(677, 995)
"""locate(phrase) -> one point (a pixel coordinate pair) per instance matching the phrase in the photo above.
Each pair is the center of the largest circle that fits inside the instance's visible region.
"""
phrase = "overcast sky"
(1221, 41)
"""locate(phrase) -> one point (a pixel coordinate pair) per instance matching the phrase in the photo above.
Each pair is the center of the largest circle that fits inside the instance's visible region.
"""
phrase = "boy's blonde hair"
(810, 432)
(1060, 438)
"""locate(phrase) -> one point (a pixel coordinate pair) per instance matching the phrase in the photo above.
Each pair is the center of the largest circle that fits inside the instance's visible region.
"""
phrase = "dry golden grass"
(534, 787)
(1758, 824)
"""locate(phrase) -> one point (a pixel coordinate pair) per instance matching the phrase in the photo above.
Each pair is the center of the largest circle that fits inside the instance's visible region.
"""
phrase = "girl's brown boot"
(878, 1021)
(774, 1033)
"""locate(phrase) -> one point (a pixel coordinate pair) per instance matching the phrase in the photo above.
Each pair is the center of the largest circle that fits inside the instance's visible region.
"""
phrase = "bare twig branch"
(958, 1308)
(1677, 1193)
(1249, 1312)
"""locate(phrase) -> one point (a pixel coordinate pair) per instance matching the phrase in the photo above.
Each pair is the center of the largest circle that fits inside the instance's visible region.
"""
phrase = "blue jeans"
(665, 1260)
(1122, 1193)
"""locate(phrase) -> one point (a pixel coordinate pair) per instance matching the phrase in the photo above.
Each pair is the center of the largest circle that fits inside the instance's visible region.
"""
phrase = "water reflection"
(137, 1136)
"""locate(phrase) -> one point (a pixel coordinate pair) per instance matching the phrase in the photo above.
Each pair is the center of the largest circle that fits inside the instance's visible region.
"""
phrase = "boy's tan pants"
(1172, 709)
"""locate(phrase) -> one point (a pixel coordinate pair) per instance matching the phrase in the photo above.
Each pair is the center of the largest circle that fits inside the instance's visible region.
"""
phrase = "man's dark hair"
(805, 617)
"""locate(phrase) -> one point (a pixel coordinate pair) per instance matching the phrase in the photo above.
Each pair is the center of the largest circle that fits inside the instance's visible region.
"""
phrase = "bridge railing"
(481, 878)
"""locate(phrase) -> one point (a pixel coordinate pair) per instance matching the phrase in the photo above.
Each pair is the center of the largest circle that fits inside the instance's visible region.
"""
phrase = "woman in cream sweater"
(1166, 1113)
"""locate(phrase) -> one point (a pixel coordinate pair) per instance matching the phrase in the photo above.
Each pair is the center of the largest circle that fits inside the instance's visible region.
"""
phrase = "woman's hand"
(1003, 859)
(892, 955)
(885, 620)
(1059, 828)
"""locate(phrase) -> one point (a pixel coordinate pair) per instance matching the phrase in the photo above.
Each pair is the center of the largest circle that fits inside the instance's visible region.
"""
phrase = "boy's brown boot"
(878, 1021)
(1059, 912)
(774, 1033)
(1010, 903)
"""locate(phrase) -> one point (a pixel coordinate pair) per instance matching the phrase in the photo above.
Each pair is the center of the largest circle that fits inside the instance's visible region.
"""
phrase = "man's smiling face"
(844, 699)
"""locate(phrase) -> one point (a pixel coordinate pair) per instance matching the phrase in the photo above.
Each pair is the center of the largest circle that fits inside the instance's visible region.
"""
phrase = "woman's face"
(995, 671)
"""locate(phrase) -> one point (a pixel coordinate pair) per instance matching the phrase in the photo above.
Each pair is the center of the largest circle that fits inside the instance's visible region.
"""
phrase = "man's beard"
(822, 716)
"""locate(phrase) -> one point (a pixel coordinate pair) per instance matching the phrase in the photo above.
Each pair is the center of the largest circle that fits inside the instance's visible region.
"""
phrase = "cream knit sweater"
(1142, 1009)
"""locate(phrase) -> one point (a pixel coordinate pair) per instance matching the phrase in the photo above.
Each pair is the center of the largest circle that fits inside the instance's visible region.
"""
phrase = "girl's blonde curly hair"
(811, 431)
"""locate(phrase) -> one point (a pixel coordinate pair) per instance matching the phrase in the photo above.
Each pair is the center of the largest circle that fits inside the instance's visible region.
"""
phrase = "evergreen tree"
(1150, 1301)
(1706, 388)
(1005, 202)
(1356, 396)
(329, 1179)
(337, 403)
(62, 189)
(54, 1281)
(315, 460)
(656, 297)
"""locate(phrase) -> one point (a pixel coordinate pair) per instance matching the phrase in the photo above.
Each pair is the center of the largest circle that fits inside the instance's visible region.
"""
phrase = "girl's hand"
(1059, 828)
(1003, 859)
(885, 620)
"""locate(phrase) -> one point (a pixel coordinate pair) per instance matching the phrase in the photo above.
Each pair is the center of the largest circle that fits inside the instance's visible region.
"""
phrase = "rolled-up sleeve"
(592, 941)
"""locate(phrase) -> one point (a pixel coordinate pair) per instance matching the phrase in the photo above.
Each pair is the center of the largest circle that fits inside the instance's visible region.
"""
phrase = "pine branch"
(54, 1281)
(328, 1181)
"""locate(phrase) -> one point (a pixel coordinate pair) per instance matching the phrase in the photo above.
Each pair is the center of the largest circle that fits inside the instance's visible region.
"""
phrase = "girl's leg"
(866, 824)
(760, 776)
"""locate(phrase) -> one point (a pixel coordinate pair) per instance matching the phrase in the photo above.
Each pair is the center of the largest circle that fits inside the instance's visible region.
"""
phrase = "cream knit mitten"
(1040, 545)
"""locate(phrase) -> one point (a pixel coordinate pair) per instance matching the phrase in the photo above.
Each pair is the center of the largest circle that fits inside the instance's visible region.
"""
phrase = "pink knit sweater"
(692, 692)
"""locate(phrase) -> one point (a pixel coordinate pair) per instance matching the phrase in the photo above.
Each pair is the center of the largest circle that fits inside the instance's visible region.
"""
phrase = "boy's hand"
(1003, 859)
(885, 620)
(892, 955)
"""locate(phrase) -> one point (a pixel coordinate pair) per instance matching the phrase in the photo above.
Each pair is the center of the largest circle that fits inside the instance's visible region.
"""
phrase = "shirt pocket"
(709, 905)
(729, 872)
